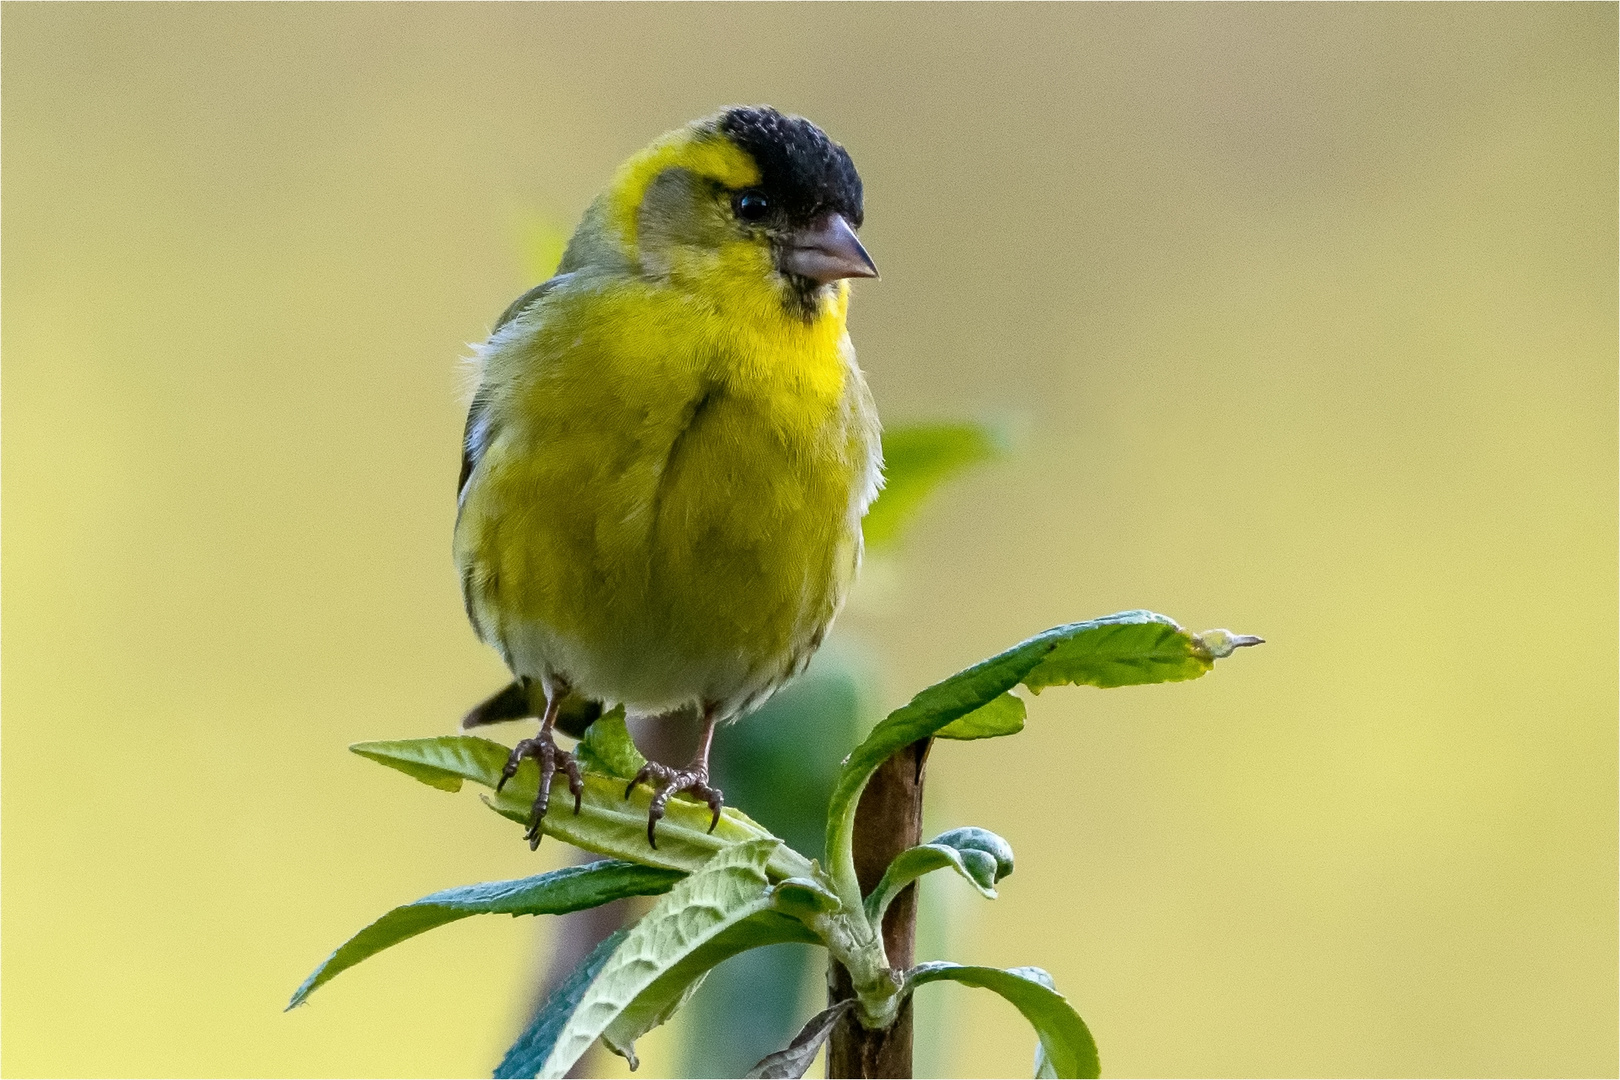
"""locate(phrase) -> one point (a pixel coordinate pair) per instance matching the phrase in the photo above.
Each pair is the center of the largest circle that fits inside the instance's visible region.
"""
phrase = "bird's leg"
(544, 749)
(694, 778)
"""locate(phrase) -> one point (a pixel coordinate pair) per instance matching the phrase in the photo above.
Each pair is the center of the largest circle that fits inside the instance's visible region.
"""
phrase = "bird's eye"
(753, 205)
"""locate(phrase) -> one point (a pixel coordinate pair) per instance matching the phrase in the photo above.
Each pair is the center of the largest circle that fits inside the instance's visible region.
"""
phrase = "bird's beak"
(827, 250)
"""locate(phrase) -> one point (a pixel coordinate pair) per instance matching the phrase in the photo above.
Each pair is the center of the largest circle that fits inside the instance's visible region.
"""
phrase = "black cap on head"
(804, 172)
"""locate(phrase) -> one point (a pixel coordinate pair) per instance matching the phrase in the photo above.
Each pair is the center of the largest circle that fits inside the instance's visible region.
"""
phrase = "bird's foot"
(665, 782)
(544, 749)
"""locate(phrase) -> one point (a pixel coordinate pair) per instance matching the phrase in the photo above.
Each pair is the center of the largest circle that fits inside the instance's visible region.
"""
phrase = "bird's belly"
(707, 569)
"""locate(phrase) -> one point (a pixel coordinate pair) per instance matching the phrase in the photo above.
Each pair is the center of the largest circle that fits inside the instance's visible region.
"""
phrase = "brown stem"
(887, 822)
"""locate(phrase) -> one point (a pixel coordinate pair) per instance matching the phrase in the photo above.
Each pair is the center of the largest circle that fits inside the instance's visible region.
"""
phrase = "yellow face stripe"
(707, 154)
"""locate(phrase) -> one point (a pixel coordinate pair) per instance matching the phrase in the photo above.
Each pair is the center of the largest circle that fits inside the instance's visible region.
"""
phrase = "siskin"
(671, 447)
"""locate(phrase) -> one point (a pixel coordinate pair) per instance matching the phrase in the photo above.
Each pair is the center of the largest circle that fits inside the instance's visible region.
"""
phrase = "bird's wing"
(515, 308)
(479, 431)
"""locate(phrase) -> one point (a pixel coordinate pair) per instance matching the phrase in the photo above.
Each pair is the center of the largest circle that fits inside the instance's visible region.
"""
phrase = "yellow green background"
(1304, 318)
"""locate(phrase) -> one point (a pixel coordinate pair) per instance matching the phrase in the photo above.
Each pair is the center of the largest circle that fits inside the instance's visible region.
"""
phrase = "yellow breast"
(668, 507)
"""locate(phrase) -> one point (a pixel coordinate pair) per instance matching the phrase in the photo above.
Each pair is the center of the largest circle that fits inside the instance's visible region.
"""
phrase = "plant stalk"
(888, 820)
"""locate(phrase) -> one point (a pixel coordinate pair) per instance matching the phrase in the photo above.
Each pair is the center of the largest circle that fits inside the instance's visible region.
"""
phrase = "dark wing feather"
(520, 701)
(478, 431)
(515, 308)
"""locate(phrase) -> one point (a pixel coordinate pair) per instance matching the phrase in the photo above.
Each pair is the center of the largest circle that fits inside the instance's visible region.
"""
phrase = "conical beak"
(827, 250)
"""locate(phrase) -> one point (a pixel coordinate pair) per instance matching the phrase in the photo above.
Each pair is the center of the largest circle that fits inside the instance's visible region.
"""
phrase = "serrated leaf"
(671, 990)
(573, 888)
(1116, 650)
(537, 1040)
(980, 856)
(608, 749)
(1002, 715)
(795, 1060)
(1066, 1043)
(608, 823)
(730, 889)
(917, 458)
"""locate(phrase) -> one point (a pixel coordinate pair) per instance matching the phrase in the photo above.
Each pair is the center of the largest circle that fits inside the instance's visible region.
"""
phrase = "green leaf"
(608, 749)
(970, 838)
(980, 856)
(656, 1004)
(608, 823)
(1132, 648)
(535, 1044)
(1116, 650)
(1003, 715)
(795, 1061)
(732, 888)
(1066, 1050)
(442, 762)
(574, 888)
(805, 898)
(917, 459)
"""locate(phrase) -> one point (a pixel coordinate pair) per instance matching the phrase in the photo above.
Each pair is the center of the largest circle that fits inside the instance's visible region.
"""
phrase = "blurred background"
(1305, 317)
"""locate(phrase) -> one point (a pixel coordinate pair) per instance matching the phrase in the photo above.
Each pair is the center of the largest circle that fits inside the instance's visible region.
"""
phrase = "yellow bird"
(671, 446)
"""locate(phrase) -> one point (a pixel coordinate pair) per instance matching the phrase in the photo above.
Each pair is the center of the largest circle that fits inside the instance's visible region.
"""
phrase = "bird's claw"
(665, 782)
(544, 749)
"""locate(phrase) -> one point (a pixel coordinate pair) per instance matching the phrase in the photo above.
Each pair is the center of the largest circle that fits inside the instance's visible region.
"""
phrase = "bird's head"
(747, 206)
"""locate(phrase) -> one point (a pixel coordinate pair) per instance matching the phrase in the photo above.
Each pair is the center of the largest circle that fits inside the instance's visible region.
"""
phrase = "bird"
(670, 447)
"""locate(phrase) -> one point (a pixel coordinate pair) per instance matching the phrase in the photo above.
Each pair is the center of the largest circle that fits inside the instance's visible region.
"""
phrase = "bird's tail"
(520, 700)
(510, 703)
